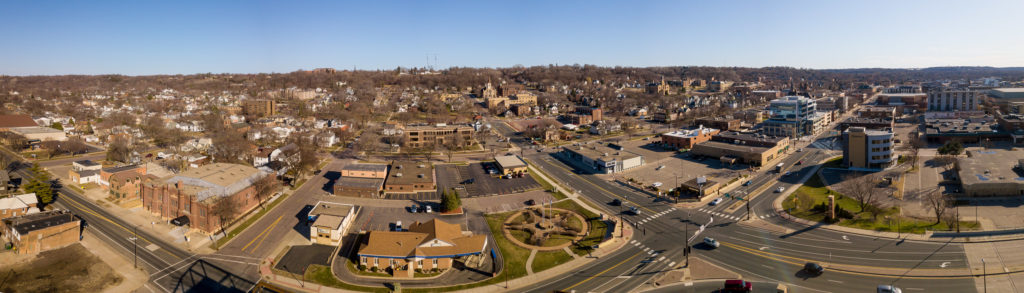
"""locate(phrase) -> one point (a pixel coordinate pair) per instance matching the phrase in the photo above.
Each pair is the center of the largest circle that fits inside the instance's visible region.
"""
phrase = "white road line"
(914, 289)
(632, 241)
(834, 281)
(672, 264)
(661, 258)
(762, 217)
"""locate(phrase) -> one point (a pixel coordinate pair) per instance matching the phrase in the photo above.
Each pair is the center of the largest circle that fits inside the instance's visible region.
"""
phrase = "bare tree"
(225, 211)
(935, 201)
(860, 188)
(264, 187)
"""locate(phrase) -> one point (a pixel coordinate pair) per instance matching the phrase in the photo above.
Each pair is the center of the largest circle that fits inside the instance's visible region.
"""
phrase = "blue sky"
(171, 37)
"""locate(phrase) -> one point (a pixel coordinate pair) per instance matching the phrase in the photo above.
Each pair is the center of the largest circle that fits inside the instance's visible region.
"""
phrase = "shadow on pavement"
(203, 276)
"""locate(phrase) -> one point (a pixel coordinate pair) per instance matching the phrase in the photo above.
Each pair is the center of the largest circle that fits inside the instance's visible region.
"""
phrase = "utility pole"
(747, 199)
(135, 243)
(984, 274)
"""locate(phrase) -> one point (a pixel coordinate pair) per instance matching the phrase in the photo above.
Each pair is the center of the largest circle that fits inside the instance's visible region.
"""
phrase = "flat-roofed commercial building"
(687, 138)
(510, 164)
(195, 192)
(953, 99)
(33, 233)
(601, 158)
(971, 130)
(747, 148)
(1009, 100)
(723, 123)
(408, 177)
(329, 221)
(440, 134)
(790, 116)
(868, 149)
(904, 102)
(991, 173)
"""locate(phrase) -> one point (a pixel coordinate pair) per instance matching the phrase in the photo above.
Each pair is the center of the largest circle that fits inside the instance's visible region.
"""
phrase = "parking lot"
(384, 218)
(674, 165)
(473, 180)
(506, 203)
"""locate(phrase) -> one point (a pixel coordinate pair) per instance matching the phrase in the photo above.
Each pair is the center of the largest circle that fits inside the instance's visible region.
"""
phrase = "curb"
(777, 206)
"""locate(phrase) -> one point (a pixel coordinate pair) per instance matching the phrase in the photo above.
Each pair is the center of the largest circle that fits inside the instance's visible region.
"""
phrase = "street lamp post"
(984, 274)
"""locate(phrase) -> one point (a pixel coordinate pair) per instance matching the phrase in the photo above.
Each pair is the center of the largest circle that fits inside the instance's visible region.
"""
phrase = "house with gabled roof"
(424, 246)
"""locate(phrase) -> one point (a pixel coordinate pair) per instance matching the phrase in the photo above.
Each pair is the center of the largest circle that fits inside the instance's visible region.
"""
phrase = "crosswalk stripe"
(762, 217)
(672, 264)
(661, 258)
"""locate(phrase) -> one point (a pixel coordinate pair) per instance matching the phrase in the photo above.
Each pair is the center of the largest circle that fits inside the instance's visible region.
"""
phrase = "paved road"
(171, 268)
(754, 252)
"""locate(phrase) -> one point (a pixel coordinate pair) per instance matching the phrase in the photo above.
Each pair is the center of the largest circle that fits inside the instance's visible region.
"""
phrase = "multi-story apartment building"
(868, 149)
(723, 123)
(790, 116)
(950, 99)
(440, 134)
(259, 107)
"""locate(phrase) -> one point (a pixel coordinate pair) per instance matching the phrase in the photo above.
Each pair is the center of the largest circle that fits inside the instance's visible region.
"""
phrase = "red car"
(737, 286)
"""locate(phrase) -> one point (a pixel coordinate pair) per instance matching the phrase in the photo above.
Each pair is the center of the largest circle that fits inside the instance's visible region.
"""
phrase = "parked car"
(799, 150)
(429, 209)
(531, 202)
(737, 286)
(813, 269)
(889, 289)
(616, 202)
(414, 209)
(398, 226)
(715, 201)
(711, 242)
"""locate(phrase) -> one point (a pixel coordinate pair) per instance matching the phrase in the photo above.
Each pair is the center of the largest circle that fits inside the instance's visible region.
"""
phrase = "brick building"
(425, 246)
(259, 107)
(42, 231)
(687, 138)
(440, 134)
(410, 177)
(195, 192)
(18, 205)
(361, 180)
(723, 123)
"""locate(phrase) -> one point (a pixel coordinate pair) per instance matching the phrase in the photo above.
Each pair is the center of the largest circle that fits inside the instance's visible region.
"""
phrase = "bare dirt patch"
(68, 269)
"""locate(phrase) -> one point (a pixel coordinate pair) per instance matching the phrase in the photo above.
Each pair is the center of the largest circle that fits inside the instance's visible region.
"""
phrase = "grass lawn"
(598, 227)
(833, 163)
(544, 183)
(548, 259)
(813, 193)
(322, 275)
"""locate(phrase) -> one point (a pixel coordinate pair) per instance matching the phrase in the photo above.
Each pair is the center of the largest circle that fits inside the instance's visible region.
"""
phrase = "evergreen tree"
(450, 201)
(39, 184)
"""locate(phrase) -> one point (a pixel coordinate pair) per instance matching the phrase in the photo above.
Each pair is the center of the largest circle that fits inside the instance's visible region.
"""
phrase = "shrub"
(361, 267)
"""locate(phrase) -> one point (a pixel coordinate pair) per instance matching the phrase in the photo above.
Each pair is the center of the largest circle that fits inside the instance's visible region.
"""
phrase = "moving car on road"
(634, 210)
(747, 183)
(616, 202)
(813, 269)
(737, 286)
(780, 189)
(716, 201)
(889, 289)
(711, 242)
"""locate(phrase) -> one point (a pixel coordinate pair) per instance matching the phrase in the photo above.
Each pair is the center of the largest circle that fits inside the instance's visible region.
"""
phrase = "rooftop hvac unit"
(398, 174)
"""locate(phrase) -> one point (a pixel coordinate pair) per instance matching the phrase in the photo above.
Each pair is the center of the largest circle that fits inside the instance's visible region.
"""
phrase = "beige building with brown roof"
(328, 222)
(425, 246)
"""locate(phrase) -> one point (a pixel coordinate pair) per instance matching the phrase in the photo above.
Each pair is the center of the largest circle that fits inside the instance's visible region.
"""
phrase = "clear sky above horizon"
(172, 37)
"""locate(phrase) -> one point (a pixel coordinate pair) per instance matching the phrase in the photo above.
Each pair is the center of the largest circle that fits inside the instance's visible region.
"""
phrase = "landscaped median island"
(810, 202)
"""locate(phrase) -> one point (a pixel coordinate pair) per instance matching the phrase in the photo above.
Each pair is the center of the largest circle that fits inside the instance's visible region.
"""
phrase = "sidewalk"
(605, 248)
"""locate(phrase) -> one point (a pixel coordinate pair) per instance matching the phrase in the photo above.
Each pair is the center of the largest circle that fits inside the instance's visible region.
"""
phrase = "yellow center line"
(605, 190)
(262, 234)
(91, 212)
(782, 258)
(602, 272)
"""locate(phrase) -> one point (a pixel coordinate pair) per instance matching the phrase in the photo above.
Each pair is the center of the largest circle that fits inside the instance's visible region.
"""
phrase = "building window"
(376, 261)
(434, 262)
(363, 260)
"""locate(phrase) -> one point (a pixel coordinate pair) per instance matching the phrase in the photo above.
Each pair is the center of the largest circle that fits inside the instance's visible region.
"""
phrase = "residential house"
(18, 205)
(84, 171)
